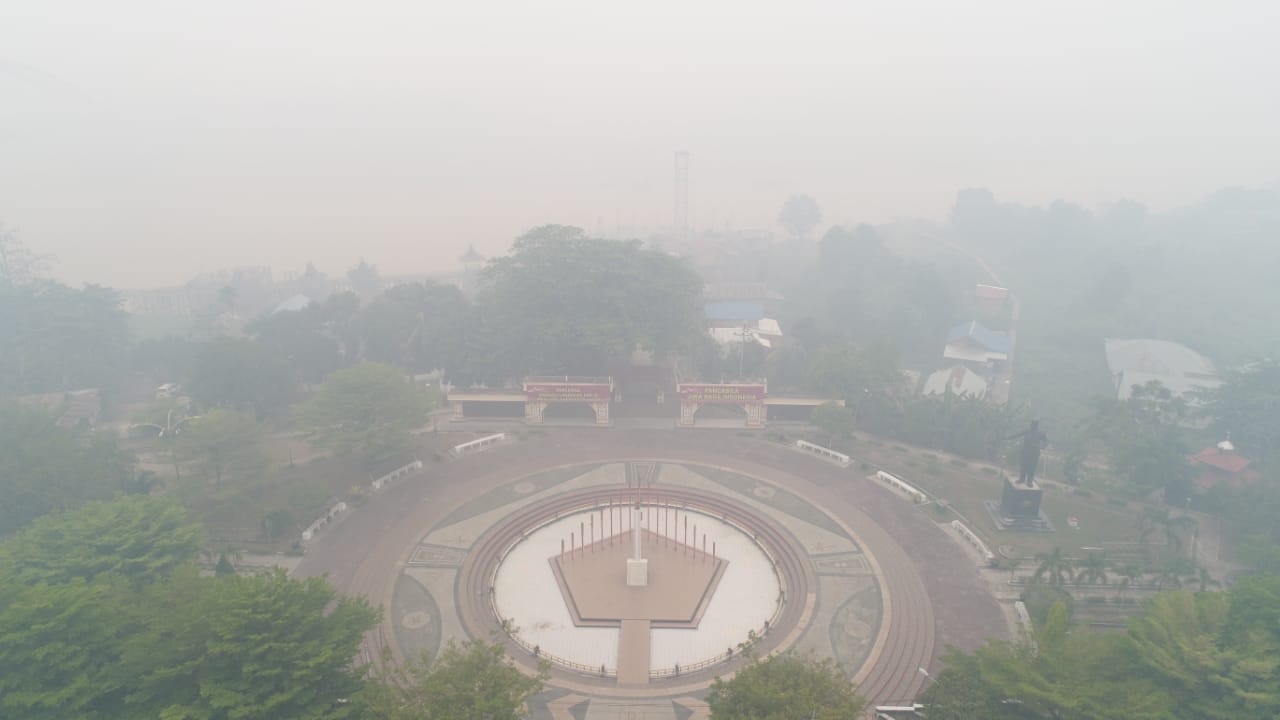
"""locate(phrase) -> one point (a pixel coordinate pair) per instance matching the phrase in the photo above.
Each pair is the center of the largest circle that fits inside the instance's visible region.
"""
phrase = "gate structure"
(542, 391)
(748, 396)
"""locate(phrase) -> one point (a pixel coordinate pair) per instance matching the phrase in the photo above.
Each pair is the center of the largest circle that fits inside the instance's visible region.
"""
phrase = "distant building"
(1177, 367)
(293, 304)
(957, 380)
(732, 310)
(1222, 465)
(974, 343)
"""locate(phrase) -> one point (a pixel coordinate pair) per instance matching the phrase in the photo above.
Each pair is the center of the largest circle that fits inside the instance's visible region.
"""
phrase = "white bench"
(824, 453)
(397, 474)
(323, 520)
(478, 444)
(916, 495)
(974, 540)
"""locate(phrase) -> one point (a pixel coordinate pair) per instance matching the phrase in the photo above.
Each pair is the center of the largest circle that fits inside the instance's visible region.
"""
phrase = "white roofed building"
(1177, 367)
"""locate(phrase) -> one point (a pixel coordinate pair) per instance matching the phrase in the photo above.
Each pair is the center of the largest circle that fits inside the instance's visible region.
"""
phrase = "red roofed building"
(1222, 465)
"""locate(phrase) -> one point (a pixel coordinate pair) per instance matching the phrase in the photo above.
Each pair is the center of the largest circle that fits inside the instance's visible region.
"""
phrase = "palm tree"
(1131, 572)
(1173, 572)
(1203, 578)
(1055, 565)
(1093, 569)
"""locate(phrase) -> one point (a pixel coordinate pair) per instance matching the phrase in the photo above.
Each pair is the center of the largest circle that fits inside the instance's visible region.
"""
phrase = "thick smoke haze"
(143, 142)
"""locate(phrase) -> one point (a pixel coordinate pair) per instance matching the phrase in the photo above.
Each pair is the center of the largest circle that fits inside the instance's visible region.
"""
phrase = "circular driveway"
(929, 587)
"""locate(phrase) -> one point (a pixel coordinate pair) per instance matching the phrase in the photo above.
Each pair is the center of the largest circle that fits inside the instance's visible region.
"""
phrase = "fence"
(323, 520)
(478, 444)
(397, 474)
(902, 486)
(566, 663)
(974, 540)
(825, 453)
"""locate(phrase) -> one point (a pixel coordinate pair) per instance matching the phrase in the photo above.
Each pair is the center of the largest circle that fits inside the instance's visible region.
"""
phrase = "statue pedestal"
(1020, 501)
(1019, 508)
(637, 572)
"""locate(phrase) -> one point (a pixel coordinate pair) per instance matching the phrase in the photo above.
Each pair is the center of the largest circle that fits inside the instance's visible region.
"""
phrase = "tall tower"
(681, 215)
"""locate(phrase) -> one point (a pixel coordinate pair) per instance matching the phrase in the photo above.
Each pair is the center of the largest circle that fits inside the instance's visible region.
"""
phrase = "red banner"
(568, 392)
(706, 394)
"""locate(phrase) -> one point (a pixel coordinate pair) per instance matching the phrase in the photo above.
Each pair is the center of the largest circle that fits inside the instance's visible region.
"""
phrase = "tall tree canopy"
(562, 302)
(58, 338)
(799, 215)
(242, 374)
(225, 442)
(420, 327)
(45, 468)
(368, 409)
(469, 680)
(1190, 655)
(784, 687)
(102, 616)
(138, 537)
(1247, 407)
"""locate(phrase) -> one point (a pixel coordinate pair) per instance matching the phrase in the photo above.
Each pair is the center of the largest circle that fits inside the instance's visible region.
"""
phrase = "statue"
(1033, 440)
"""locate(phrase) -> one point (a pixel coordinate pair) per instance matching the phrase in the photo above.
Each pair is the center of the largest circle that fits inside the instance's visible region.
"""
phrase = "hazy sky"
(142, 142)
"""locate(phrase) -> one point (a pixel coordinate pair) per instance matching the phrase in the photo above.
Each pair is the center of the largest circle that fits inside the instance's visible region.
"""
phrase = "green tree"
(46, 468)
(302, 340)
(139, 537)
(1055, 566)
(242, 374)
(784, 687)
(959, 692)
(469, 680)
(1190, 644)
(800, 214)
(421, 327)
(1142, 437)
(1068, 675)
(835, 420)
(59, 645)
(58, 338)
(1093, 569)
(226, 441)
(260, 646)
(368, 409)
(565, 303)
(1244, 408)
(18, 265)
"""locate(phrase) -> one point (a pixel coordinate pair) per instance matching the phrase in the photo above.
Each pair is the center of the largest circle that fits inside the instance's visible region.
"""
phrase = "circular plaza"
(745, 546)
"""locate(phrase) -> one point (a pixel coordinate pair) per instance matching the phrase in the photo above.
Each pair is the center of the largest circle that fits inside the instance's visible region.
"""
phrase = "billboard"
(568, 392)
(712, 394)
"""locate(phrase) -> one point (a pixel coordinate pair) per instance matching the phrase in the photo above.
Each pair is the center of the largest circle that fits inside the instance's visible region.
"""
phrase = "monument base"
(1020, 501)
(637, 572)
(1019, 508)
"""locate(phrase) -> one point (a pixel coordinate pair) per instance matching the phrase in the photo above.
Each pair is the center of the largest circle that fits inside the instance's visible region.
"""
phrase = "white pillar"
(637, 567)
